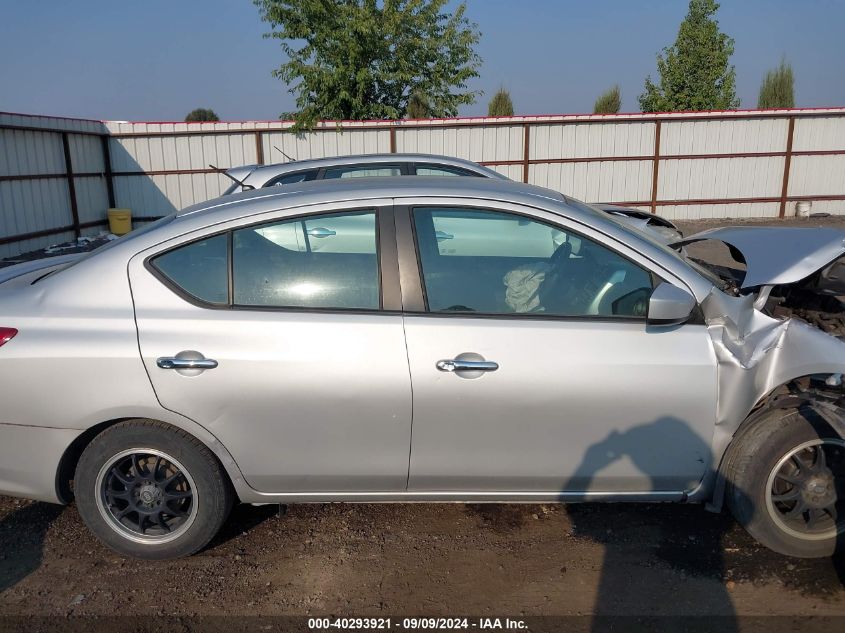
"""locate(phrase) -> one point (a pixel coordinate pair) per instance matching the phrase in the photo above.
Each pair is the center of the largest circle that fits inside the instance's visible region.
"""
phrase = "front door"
(274, 337)
(533, 368)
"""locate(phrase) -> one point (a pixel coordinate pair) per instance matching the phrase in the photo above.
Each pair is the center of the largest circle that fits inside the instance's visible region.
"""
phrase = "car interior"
(569, 276)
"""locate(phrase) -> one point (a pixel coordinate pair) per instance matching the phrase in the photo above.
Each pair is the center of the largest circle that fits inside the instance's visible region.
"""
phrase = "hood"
(41, 266)
(776, 256)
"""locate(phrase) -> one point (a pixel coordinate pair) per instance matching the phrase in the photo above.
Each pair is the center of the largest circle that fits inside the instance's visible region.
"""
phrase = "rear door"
(301, 365)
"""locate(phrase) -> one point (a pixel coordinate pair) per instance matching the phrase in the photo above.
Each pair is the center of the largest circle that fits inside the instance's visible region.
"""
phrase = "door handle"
(456, 364)
(320, 232)
(186, 363)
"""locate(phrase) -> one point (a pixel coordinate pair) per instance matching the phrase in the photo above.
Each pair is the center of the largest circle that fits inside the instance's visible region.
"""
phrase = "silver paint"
(313, 406)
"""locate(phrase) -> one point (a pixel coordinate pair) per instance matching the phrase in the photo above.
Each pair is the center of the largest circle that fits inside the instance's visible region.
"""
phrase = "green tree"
(500, 104)
(778, 88)
(609, 102)
(417, 107)
(201, 114)
(695, 73)
(360, 59)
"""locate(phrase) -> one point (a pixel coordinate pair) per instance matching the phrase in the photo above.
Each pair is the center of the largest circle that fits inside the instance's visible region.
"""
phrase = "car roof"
(346, 189)
(275, 169)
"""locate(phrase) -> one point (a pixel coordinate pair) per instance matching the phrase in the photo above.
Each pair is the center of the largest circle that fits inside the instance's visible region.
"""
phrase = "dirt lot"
(447, 559)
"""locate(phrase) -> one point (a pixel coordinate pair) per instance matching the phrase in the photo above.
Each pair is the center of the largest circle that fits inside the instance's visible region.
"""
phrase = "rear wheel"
(786, 484)
(151, 491)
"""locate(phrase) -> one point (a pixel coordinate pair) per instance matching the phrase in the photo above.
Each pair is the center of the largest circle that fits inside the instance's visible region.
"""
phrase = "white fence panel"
(612, 181)
(722, 164)
(584, 140)
(490, 143)
(720, 178)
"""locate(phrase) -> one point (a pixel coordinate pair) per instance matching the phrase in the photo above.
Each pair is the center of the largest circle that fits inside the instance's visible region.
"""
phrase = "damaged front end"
(775, 320)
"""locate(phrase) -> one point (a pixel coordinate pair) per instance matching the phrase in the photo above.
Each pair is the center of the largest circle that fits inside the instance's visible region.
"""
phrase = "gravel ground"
(423, 559)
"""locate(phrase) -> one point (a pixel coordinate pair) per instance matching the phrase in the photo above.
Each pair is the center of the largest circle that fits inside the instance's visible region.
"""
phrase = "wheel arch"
(794, 393)
(66, 467)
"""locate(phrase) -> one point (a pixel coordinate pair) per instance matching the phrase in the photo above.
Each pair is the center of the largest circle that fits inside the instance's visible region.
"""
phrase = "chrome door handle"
(186, 363)
(466, 365)
(320, 232)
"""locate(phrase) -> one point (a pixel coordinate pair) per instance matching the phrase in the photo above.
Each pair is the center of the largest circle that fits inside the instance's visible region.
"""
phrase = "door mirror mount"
(669, 305)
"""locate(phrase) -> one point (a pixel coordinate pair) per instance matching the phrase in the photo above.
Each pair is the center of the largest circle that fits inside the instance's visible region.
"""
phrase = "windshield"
(645, 235)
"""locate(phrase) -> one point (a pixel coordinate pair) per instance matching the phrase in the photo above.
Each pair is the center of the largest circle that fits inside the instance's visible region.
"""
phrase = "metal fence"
(58, 176)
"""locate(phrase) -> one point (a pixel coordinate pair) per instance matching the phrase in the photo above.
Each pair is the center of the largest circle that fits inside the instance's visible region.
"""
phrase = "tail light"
(6, 335)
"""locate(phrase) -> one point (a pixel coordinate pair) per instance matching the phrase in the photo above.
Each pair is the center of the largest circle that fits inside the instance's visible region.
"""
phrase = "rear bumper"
(29, 460)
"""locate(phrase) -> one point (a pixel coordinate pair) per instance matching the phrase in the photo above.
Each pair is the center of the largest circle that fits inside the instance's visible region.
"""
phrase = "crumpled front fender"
(756, 354)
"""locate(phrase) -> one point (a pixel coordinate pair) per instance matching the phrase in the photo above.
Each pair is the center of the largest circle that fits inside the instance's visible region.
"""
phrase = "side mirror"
(669, 305)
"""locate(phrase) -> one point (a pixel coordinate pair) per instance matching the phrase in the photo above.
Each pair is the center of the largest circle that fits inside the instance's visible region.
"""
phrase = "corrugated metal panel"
(586, 140)
(480, 144)
(323, 144)
(718, 178)
(27, 206)
(161, 195)
(25, 152)
(53, 123)
(817, 176)
(614, 181)
(820, 133)
(723, 137)
(92, 200)
(86, 153)
(709, 211)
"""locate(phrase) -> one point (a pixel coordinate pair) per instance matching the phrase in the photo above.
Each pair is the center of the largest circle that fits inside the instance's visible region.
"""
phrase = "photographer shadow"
(633, 592)
(22, 536)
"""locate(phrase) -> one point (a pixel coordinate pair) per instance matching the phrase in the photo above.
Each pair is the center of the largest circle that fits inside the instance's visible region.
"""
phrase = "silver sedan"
(410, 339)
(248, 177)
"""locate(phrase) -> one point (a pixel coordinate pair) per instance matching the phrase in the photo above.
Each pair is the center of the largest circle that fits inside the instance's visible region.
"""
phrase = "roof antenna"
(243, 185)
(293, 160)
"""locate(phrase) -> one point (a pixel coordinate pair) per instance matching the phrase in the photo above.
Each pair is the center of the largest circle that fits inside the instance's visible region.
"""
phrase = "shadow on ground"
(22, 535)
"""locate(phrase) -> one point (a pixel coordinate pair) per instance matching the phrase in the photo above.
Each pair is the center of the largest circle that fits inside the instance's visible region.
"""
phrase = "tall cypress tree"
(695, 72)
(778, 88)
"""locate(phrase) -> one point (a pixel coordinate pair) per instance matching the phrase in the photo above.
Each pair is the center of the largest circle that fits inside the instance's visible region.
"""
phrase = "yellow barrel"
(120, 221)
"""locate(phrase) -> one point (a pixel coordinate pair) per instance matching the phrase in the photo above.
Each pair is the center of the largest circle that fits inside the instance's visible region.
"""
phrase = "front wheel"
(786, 484)
(149, 490)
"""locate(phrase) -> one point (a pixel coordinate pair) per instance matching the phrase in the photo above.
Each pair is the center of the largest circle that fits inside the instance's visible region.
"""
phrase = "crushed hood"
(778, 255)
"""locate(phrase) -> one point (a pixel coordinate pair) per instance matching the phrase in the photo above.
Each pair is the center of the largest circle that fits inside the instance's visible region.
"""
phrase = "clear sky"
(159, 59)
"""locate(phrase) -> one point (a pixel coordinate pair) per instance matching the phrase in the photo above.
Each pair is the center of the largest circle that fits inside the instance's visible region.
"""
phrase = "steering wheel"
(560, 255)
(550, 289)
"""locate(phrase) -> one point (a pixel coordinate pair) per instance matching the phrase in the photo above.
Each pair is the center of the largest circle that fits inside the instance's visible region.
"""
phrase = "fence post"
(104, 140)
(526, 149)
(259, 148)
(71, 186)
(655, 170)
(787, 162)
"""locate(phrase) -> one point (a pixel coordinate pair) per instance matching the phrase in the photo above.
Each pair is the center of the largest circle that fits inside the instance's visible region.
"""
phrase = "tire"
(760, 462)
(149, 490)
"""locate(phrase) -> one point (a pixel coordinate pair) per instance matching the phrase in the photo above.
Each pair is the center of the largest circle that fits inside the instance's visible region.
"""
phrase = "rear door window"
(320, 261)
